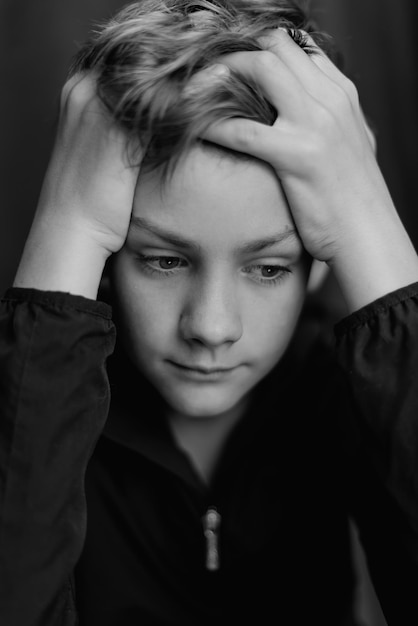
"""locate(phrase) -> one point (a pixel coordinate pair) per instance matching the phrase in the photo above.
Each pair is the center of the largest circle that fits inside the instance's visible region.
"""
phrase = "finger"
(328, 68)
(276, 145)
(315, 70)
(83, 84)
(278, 83)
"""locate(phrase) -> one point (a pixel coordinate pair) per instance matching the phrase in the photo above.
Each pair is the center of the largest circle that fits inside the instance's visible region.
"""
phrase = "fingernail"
(217, 70)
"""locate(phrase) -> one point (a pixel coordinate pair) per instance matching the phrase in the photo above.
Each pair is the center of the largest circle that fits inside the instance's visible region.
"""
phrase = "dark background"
(38, 39)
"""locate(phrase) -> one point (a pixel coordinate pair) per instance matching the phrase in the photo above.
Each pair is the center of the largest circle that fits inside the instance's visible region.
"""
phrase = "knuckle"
(65, 93)
(247, 135)
(324, 134)
(344, 98)
(324, 119)
(77, 92)
(340, 97)
(265, 62)
(313, 147)
(350, 89)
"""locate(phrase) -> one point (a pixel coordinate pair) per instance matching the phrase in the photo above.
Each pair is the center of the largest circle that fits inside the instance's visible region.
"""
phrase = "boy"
(205, 469)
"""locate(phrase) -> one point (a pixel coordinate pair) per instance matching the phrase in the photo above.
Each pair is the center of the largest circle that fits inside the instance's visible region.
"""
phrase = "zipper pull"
(211, 523)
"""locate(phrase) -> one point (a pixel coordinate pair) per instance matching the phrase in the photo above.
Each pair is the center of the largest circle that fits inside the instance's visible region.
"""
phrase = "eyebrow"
(166, 235)
(257, 245)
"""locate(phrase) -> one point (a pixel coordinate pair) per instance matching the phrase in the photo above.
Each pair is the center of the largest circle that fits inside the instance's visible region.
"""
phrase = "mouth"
(202, 372)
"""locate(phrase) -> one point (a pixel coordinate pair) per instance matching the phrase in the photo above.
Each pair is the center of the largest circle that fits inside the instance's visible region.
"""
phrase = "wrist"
(61, 258)
(374, 262)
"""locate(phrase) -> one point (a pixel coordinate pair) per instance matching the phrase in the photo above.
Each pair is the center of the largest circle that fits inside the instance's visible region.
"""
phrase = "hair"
(146, 54)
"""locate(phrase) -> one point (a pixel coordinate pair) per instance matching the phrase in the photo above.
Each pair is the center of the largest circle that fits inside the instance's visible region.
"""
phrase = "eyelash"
(282, 270)
(146, 260)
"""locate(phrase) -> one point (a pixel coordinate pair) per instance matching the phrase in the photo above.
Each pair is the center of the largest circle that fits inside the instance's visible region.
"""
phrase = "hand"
(86, 199)
(319, 145)
(324, 155)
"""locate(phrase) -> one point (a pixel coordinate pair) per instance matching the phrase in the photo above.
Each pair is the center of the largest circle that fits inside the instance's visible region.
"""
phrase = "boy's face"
(210, 282)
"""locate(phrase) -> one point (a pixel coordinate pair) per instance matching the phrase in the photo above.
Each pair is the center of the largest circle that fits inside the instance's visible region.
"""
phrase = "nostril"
(211, 330)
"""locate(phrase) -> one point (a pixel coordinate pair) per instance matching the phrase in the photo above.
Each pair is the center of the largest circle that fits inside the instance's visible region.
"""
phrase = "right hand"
(86, 199)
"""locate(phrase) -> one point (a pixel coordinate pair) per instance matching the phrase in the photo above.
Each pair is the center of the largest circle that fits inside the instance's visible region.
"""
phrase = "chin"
(202, 405)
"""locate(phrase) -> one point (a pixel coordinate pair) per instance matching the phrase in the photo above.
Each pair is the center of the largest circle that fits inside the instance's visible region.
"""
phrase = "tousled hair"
(146, 54)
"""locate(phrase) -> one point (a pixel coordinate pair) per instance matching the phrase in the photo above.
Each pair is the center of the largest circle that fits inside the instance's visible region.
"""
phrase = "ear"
(319, 272)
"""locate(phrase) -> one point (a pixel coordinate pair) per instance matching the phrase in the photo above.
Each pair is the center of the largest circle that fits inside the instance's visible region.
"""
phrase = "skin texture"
(324, 155)
(86, 198)
(189, 310)
(212, 311)
(319, 147)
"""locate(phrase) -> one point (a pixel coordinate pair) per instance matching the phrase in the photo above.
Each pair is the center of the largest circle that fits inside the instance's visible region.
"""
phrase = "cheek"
(145, 314)
(147, 319)
(271, 321)
(269, 335)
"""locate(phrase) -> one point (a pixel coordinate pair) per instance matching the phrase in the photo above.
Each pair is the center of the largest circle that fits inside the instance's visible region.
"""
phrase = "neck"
(202, 438)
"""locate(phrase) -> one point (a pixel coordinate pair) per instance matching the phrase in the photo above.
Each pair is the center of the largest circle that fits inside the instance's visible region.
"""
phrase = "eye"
(161, 265)
(267, 274)
(269, 271)
(168, 262)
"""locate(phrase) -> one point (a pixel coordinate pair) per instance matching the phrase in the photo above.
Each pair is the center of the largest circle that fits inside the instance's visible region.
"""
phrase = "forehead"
(214, 196)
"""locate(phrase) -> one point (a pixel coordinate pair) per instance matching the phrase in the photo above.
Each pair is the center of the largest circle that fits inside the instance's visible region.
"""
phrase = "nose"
(212, 315)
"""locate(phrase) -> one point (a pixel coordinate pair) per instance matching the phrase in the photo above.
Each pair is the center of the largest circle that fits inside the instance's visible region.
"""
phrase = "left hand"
(324, 155)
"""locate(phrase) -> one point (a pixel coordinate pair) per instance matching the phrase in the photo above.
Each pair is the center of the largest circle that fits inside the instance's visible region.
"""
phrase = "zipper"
(211, 522)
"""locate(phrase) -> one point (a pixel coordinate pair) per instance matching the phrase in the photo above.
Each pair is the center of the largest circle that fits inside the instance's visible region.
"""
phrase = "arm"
(377, 352)
(54, 341)
(323, 155)
(86, 199)
(54, 400)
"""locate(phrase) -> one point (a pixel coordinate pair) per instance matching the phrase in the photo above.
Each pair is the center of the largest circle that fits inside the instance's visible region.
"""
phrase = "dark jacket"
(102, 516)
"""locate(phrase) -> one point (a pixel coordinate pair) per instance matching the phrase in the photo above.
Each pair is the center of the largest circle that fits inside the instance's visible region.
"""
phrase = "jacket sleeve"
(377, 351)
(54, 398)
